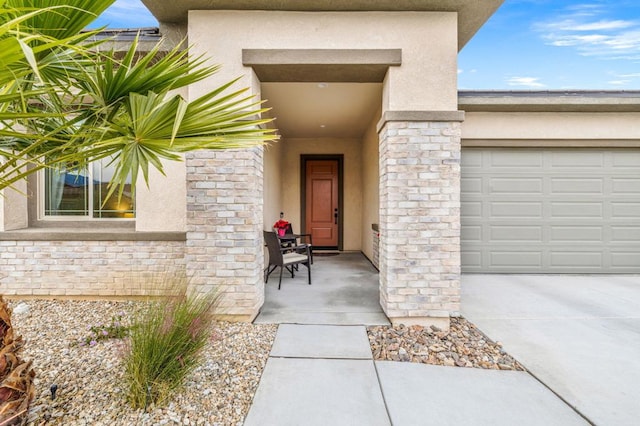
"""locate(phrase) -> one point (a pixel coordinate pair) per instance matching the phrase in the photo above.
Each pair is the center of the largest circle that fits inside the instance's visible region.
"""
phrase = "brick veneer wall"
(86, 268)
(224, 227)
(420, 221)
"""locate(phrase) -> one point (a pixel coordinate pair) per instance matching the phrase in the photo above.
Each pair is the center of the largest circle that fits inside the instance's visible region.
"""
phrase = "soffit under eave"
(471, 14)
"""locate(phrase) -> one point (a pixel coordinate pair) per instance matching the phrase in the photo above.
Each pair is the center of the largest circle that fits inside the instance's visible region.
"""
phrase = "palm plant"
(63, 101)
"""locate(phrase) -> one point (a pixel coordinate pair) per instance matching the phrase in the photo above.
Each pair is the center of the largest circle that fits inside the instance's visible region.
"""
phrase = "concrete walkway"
(320, 370)
(580, 335)
(325, 375)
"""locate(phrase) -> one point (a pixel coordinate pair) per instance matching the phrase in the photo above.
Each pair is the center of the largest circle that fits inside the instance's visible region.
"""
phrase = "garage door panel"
(499, 233)
(631, 159)
(471, 160)
(625, 233)
(576, 259)
(471, 209)
(625, 261)
(516, 259)
(584, 234)
(626, 186)
(573, 210)
(472, 233)
(576, 186)
(625, 210)
(471, 186)
(515, 209)
(516, 185)
(565, 210)
(509, 159)
(567, 159)
(471, 258)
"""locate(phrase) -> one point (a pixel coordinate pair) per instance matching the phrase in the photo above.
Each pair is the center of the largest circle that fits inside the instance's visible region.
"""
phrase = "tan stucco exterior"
(567, 126)
(13, 207)
(471, 14)
(162, 206)
(273, 205)
(426, 80)
(370, 184)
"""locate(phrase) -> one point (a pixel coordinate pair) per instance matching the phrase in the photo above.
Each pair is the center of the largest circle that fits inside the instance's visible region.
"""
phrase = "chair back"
(273, 245)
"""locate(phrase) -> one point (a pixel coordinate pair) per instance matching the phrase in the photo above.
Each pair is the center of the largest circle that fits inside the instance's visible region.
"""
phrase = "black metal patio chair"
(284, 257)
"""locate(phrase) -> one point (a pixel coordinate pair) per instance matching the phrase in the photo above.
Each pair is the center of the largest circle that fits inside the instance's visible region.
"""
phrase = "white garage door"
(551, 210)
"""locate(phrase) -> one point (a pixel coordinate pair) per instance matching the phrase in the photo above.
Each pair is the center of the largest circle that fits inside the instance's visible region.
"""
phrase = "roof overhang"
(471, 14)
(549, 101)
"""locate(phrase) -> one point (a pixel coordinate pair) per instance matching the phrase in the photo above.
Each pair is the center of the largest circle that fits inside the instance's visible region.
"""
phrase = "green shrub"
(165, 344)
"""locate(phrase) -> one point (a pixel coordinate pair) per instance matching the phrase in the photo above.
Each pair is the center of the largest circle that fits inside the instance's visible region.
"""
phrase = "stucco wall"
(272, 183)
(370, 185)
(162, 206)
(13, 207)
(426, 80)
(351, 148)
(551, 125)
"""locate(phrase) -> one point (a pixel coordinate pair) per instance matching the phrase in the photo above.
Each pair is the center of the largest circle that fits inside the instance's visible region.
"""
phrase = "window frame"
(41, 207)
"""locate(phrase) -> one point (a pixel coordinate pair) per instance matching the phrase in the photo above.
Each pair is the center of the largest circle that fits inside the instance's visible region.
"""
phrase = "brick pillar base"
(224, 228)
(420, 221)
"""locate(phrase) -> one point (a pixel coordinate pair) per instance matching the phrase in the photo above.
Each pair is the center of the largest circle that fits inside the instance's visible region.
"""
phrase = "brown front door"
(321, 209)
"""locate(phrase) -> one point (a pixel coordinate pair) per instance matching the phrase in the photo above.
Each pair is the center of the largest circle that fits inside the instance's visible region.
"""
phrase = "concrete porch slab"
(321, 341)
(418, 394)
(345, 291)
(317, 392)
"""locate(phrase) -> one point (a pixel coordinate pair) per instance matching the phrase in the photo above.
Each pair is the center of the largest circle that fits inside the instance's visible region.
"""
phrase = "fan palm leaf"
(79, 103)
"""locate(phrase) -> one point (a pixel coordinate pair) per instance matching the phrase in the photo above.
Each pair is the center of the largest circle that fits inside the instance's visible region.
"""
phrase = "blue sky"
(526, 45)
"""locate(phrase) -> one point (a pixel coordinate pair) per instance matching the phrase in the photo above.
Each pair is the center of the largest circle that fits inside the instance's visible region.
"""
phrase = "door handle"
(335, 216)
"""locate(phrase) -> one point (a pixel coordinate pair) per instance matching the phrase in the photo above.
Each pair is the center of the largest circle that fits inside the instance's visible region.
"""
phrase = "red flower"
(281, 224)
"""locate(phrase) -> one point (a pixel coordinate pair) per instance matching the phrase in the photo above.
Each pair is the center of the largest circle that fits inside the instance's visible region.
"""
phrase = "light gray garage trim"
(562, 210)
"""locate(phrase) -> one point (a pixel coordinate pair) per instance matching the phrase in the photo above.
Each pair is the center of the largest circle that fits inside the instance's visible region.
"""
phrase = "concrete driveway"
(579, 335)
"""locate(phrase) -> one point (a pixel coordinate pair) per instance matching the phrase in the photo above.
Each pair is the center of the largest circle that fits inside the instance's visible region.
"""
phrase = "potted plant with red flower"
(280, 227)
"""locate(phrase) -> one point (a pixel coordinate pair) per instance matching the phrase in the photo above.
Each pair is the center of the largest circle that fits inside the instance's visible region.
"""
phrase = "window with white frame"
(72, 192)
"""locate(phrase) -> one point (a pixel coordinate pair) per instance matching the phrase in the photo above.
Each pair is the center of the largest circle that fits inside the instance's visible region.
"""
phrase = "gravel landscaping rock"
(89, 378)
(462, 346)
(90, 390)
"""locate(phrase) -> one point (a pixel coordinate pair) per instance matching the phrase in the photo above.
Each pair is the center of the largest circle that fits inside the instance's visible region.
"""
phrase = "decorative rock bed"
(90, 389)
(89, 378)
(462, 346)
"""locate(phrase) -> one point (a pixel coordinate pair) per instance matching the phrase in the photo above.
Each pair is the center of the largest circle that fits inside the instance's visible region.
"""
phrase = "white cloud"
(585, 29)
(530, 82)
(460, 71)
(619, 82)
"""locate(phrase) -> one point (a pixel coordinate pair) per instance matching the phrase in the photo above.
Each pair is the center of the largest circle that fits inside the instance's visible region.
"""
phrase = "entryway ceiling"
(313, 110)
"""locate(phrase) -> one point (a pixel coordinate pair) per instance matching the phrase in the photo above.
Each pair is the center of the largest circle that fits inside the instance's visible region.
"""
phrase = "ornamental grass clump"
(166, 341)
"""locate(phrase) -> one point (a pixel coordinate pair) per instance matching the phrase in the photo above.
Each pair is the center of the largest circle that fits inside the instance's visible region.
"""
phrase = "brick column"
(420, 220)
(224, 227)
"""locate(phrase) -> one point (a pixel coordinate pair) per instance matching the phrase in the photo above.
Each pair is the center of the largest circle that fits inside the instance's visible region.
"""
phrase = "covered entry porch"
(410, 143)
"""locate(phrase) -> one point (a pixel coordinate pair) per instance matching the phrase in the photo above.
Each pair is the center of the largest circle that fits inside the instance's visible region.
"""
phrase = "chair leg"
(309, 270)
(268, 272)
(280, 282)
